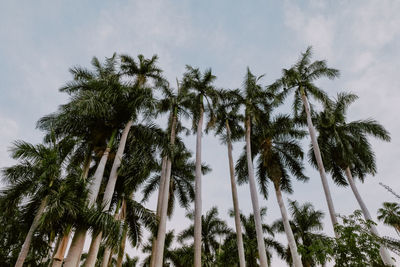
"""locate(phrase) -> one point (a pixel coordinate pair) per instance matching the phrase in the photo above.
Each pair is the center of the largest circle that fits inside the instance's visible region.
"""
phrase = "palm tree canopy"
(307, 226)
(212, 228)
(275, 142)
(345, 144)
(389, 214)
(199, 88)
(300, 79)
(228, 112)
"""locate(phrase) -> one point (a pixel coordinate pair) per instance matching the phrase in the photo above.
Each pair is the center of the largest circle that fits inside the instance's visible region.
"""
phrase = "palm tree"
(135, 98)
(389, 214)
(300, 79)
(167, 254)
(199, 87)
(346, 149)
(176, 105)
(228, 127)
(256, 102)
(130, 262)
(212, 228)
(88, 116)
(306, 225)
(274, 140)
(37, 177)
(138, 164)
(229, 253)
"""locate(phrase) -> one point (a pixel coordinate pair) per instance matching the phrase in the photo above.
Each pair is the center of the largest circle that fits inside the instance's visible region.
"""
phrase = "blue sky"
(40, 40)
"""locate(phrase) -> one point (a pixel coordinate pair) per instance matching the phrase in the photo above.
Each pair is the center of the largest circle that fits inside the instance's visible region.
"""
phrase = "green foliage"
(356, 246)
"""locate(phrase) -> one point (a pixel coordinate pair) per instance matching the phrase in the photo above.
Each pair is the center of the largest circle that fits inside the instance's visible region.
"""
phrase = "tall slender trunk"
(288, 230)
(235, 201)
(254, 199)
(109, 191)
(383, 251)
(158, 211)
(121, 251)
(62, 247)
(56, 249)
(78, 241)
(162, 229)
(120, 215)
(28, 239)
(320, 164)
(106, 257)
(197, 197)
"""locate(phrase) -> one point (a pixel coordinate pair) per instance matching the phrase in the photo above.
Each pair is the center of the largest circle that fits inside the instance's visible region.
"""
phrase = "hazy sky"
(40, 40)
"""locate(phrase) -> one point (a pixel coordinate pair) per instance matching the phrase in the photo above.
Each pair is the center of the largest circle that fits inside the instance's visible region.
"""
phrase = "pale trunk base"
(93, 250)
(75, 250)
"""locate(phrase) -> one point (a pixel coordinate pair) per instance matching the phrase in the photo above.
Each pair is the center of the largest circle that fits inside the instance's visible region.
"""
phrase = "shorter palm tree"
(229, 248)
(213, 228)
(306, 224)
(36, 178)
(389, 214)
(168, 251)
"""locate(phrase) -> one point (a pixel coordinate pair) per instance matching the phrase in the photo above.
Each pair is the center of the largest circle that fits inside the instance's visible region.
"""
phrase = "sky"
(41, 40)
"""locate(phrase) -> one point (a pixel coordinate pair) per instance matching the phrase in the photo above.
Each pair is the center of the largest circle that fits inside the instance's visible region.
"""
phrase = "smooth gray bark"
(121, 251)
(320, 164)
(28, 239)
(78, 241)
(239, 236)
(106, 257)
(288, 230)
(254, 200)
(162, 227)
(197, 198)
(62, 247)
(386, 258)
(108, 192)
(158, 210)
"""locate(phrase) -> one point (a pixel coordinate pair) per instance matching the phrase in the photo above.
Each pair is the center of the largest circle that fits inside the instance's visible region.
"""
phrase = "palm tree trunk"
(383, 251)
(109, 191)
(62, 247)
(59, 256)
(28, 239)
(78, 241)
(106, 257)
(254, 199)
(56, 249)
(197, 198)
(162, 229)
(121, 251)
(158, 211)
(288, 230)
(320, 164)
(236, 209)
